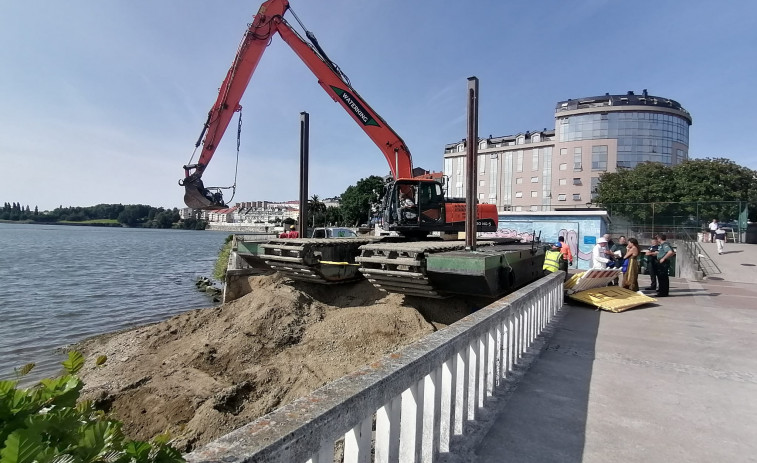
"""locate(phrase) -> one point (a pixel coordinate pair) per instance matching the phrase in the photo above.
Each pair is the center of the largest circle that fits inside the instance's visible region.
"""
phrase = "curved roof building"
(547, 169)
(641, 128)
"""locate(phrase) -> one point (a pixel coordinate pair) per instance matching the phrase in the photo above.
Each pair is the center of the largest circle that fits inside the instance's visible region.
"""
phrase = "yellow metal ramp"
(612, 298)
(591, 287)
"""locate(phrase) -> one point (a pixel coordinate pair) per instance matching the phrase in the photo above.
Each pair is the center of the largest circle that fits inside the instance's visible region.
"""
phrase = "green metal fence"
(643, 220)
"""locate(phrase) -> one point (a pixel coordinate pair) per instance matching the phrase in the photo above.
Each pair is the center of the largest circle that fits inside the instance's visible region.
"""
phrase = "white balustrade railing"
(408, 406)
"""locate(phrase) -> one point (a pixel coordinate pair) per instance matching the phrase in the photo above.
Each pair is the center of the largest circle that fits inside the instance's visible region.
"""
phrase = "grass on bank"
(222, 262)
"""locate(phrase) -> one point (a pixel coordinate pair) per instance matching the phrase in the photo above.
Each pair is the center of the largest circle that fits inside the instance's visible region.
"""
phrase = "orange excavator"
(412, 206)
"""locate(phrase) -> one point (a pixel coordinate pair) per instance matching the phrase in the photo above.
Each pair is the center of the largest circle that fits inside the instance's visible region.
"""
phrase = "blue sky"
(102, 101)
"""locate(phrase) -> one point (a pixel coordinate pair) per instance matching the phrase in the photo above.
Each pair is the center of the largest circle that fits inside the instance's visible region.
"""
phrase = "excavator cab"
(414, 207)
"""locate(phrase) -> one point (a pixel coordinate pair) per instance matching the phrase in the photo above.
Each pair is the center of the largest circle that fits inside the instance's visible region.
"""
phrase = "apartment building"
(556, 168)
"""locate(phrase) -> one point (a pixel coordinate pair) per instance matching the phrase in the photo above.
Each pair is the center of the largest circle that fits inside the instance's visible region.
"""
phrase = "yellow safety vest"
(551, 261)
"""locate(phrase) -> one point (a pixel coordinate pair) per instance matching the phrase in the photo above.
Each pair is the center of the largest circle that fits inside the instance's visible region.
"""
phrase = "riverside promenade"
(670, 382)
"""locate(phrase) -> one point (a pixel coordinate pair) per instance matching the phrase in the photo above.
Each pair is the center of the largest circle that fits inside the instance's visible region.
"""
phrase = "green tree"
(688, 189)
(316, 210)
(359, 200)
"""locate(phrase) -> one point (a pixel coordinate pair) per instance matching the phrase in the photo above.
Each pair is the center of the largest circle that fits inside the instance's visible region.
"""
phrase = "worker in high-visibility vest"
(567, 256)
(552, 261)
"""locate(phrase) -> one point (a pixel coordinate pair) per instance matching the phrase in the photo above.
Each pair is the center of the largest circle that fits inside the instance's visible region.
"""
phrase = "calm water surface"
(62, 284)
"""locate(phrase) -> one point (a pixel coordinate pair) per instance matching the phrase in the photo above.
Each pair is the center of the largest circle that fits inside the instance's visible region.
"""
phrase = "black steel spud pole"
(302, 225)
(470, 173)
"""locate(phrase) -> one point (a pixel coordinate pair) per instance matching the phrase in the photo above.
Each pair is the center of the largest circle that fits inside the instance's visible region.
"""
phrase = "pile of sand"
(202, 374)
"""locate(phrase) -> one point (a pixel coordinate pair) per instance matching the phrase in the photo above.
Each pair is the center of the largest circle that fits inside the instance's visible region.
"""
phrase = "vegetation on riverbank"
(222, 262)
(49, 423)
(102, 215)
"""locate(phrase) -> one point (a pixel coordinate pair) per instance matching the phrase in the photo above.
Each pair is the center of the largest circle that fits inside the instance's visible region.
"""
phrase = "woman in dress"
(631, 276)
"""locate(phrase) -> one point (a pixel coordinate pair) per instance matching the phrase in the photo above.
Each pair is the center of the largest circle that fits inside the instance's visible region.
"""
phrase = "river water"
(62, 284)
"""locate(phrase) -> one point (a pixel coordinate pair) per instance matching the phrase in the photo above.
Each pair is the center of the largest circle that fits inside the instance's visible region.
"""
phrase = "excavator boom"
(267, 22)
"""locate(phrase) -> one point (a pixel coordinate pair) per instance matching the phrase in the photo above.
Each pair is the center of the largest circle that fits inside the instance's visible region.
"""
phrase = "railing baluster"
(446, 407)
(409, 424)
(357, 442)
(461, 393)
(429, 424)
(498, 355)
(481, 372)
(388, 431)
(472, 377)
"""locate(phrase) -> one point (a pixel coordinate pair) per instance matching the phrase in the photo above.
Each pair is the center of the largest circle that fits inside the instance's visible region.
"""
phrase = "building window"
(534, 194)
(534, 179)
(518, 194)
(577, 159)
(599, 157)
(563, 181)
(576, 180)
(519, 161)
(576, 196)
(481, 182)
(481, 196)
(563, 151)
(594, 185)
(535, 160)
(519, 181)
(518, 208)
(534, 208)
(564, 166)
(562, 197)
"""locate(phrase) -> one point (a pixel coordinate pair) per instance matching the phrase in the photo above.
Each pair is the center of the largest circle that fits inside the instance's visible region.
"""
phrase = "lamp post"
(652, 219)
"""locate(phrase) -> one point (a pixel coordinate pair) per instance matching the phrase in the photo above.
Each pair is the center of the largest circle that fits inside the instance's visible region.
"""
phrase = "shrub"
(47, 423)
(222, 262)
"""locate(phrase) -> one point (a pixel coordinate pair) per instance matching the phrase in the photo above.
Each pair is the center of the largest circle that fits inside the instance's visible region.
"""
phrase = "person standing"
(714, 225)
(293, 233)
(651, 254)
(631, 275)
(566, 256)
(617, 254)
(720, 239)
(619, 249)
(599, 257)
(610, 244)
(664, 254)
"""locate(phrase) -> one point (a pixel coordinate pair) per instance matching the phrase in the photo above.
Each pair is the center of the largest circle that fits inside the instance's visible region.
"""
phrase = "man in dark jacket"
(651, 254)
(664, 254)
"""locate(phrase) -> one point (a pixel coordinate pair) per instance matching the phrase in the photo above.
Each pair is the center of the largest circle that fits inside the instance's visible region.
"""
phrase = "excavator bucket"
(197, 196)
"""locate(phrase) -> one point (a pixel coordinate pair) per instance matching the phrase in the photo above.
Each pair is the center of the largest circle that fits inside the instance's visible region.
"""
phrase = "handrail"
(419, 397)
(698, 253)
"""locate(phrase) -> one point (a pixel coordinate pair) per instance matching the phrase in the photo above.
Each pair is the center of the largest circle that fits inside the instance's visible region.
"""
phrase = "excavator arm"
(267, 22)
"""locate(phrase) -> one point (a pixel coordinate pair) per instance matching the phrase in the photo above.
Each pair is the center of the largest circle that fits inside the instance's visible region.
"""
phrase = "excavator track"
(401, 267)
(317, 260)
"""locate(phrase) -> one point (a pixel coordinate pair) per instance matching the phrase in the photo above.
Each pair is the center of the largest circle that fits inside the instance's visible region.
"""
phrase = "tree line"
(130, 215)
(694, 191)
(357, 205)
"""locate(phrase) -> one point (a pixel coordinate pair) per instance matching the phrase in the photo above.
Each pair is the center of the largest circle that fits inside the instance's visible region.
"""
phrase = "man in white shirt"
(720, 239)
(598, 258)
(714, 225)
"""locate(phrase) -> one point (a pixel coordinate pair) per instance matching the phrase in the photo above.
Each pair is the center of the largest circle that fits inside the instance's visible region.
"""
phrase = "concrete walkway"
(670, 382)
(738, 263)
